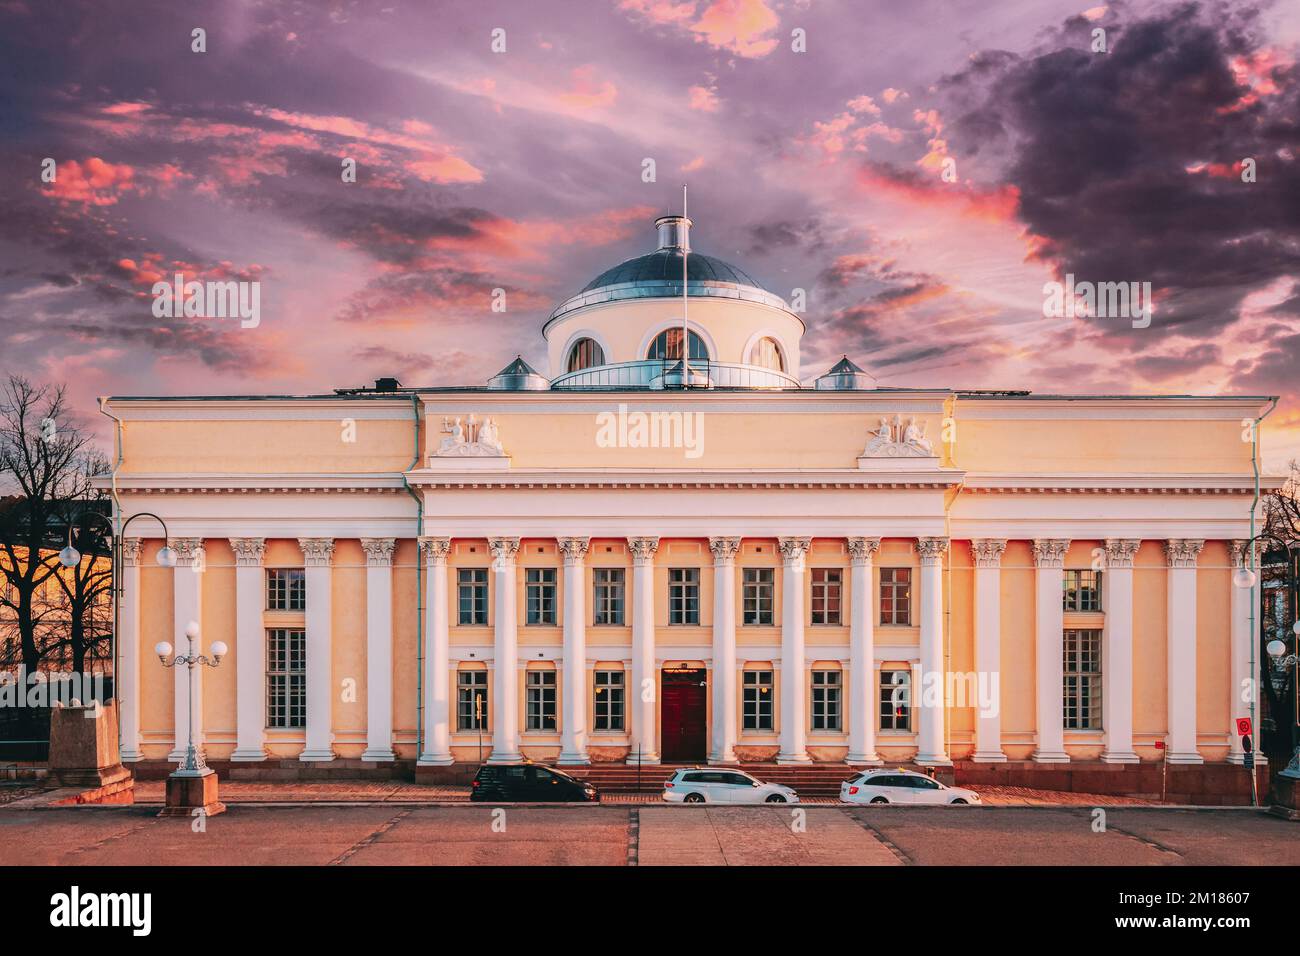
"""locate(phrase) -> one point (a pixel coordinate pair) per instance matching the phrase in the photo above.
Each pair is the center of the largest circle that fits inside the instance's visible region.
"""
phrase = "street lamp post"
(191, 787)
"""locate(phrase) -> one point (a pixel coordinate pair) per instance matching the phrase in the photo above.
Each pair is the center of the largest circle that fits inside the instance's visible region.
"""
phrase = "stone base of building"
(1210, 784)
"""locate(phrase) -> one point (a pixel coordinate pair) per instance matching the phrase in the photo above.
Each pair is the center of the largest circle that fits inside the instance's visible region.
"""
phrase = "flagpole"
(686, 326)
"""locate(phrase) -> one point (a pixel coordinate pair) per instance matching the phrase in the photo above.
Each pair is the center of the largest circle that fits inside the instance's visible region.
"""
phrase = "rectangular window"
(539, 593)
(472, 700)
(756, 700)
(895, 700)
(286, 678)
(1082, 679)
(826, 700)
(896, 596)
(826, 595)
(286, 589)
(540, 700)
(1081, 590)
(683, 595)
(472, 595)
(608, 707)
(758, 586)
(610, 589)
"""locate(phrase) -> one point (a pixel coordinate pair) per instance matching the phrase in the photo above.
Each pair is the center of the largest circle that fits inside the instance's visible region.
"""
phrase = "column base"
(248, 756)
(794, 758)
(1120, 756)
(435, 760)
(727, 756)
(378, 756)
(131, 756)
(317, 756)
(647, 760)
(933, 760)
(989, 756)
(1050, 756)
(500, 758)
(1183, 757)
(864, 760)
(573, 760)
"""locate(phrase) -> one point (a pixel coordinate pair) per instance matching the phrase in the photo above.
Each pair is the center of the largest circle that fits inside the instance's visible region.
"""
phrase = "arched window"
(767, 354)
(585, 354)
(668, 345)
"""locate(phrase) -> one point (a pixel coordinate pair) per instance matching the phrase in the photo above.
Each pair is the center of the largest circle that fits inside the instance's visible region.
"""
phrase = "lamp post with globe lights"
(191, 787)
(70, 557)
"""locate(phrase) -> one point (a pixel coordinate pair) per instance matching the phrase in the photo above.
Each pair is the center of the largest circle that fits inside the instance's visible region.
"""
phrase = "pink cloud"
(588, 92)
(742, 27)
(703, 98)
(92, 183)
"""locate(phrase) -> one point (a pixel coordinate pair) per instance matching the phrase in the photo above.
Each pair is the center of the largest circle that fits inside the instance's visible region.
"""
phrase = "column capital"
(793, 551)
(317, 552)
(1182, 552)
(190, 552)
(988, 551)
(503, 552)
(643, 549)
(931, 550)
(724, 550)
(249, 552)
(435, 550)
(573, 549)
(131, 548)
(1239, 552)
(1049, 553)
(1120, 552)
(861, 550)
(379, 551)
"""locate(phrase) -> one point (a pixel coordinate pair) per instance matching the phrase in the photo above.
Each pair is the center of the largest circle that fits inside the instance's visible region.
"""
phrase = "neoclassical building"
(636, 557)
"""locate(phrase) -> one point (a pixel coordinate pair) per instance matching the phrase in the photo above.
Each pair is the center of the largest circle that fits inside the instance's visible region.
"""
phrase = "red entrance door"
(684, 713)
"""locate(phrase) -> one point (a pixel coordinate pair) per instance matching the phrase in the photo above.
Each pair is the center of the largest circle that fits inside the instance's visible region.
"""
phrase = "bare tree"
(1282, 548)
(45, 465)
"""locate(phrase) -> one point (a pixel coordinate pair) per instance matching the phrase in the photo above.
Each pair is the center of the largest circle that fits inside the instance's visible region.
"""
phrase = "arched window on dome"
(585, 353)
(668, 345)
(766, 353)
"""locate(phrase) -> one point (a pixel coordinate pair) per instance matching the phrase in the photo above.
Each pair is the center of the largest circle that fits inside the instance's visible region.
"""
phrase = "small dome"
(519, 376)
(844, 376)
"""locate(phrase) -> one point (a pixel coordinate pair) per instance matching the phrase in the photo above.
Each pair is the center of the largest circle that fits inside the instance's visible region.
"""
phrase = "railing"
(650, 373)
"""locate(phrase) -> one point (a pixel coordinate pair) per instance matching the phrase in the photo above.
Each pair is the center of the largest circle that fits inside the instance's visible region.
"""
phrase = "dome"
(658, 275)
(518, 376)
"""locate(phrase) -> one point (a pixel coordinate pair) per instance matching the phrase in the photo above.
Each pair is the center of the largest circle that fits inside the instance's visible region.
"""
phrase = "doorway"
(684, 714)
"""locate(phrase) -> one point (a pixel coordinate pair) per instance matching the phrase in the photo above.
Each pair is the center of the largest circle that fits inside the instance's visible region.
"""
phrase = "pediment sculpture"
(470, 439)
(898, 439)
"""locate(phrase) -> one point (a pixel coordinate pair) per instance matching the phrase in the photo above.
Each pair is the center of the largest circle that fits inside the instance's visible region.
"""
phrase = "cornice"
(821, 478)
(1173, 484)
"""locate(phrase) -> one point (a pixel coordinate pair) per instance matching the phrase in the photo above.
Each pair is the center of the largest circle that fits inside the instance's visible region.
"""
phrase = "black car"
(529, 783)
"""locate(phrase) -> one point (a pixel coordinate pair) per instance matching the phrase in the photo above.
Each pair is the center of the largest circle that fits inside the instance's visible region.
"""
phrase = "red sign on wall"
(1243, 726)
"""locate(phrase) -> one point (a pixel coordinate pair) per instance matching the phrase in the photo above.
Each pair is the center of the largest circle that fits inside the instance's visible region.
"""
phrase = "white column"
(643, 693)
(573, 715)
(930, 702)
(1180, 555)
(723, 749)
(187, 607)
(794, 668)
(1049, 648)
(1244, 687)
(862, 654)
(988, 648)
(318, 555)
(505, 710)
(1117, 651)
(128, 650)
(379, 648)
(250, 650)
(437, 651)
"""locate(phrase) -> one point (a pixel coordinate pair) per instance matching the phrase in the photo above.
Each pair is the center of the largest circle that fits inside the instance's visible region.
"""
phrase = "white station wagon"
(902, 786)
(720, 785)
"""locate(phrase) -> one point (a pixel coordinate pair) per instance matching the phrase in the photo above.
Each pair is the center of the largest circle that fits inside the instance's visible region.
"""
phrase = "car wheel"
(879, 800)
(694, 798)
(775, 798)
(960, 800)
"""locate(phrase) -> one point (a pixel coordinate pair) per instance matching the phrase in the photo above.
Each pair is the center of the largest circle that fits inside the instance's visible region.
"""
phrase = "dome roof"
(665, 266)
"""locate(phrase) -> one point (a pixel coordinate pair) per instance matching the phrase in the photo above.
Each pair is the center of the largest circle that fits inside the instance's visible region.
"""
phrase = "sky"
(919, 169)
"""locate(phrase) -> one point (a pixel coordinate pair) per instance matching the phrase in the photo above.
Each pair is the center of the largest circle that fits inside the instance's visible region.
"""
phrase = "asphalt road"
(358, 835)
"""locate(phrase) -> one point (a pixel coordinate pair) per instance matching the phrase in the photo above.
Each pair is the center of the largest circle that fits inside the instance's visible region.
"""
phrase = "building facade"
(637, 557)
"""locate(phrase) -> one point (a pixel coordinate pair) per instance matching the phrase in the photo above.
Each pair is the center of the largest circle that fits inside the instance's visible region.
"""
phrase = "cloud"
(741, 27)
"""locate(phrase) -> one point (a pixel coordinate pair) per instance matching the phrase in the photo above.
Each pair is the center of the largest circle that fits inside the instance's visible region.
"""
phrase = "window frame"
(609, 701)
(594, 351)
(831, 701)
(757, 711)
(824, 587)
(764, 605)
(610, 608)
(894, 586)
(466, 719)
(1077, 596)
(893, 722)
(1082, 685)
(285, 704)
(541, 598)
(541, 701)
(474, 584)
(684, 609)
(282, 586)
